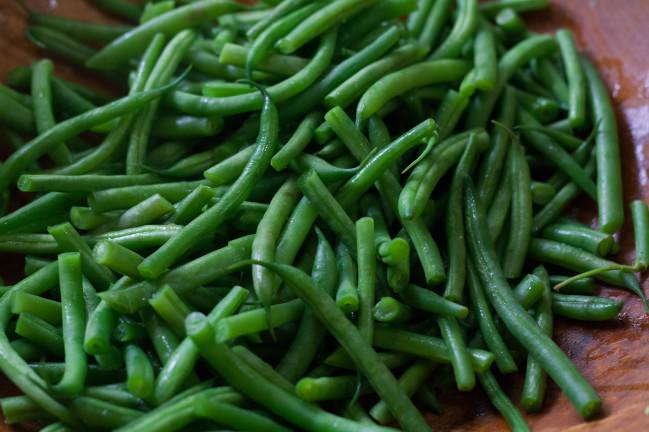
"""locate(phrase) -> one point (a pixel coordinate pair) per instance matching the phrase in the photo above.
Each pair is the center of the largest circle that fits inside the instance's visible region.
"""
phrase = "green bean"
(114, 393)
(417, 18)
(161, 73)
(576, 78)
(374, 165)
(427, 347)
(128, 330)
(542, 109)
(492, 7)
(17, 409)
(146, 212)
(200, 105)
(162, 338)
(546, 146)
(362, 24)
(609, 178)
(552, 78)
(488, 329)
(40, 332)
(584, 286)
(411, 379)
(485, 59)
(319, 22)
(564, 196)
(96, 375)
(263, 43)
(298, 141)
(16, 116)
(69, 240)
(366, 260)
(257, 364)
(230, 415)
(585, 308)
(499, 399)
(465, 25)
(186, 127)
(326, 388)
(100, 324)
(259, 389)
(482, 105)
(227, 170)
(510, 24)
(45, 309)
(435, 23)
(529, 290)
(42, 103)
(489, 173)
(578, 260)
(411, 77)
(67, 129)
(210, 220)
(640, 216)
(310, 333)
(141, 237)
(121, 8)
(60, 44)
(353, 87)
(27, 350)
(582, 237)
(429, 171)
(128, 196)
(454, 225)
(152, 10)
(534, 384)
(80, 183)
(113, 141)
(222, 88)
(180, 364)
(328, 208)
(257, 320)
(516, 319)
(390, 310)
(282, 9)
(74, 322)
(83, 30)
(97, 413)
(459, 356)
(264, 245)
(23, 99)
(171, 308)
(347, 298)
(132, 43)
(139, 372)
(542, 192)
(180, 411)
(521, 213)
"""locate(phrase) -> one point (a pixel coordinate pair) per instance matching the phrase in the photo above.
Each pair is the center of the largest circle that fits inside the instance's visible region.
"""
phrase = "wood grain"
(613, 356)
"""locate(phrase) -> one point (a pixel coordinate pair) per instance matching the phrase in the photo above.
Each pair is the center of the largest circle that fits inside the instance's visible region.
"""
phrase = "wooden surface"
(613, 356)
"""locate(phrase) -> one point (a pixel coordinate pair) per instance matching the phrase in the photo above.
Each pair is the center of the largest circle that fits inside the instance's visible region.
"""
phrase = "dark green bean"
(60, 44)
(465, 25)
(390, 310)
(585, 308)
(607, 151)
(139, 372)
(516, 319)
(576, 78)
(583, 237)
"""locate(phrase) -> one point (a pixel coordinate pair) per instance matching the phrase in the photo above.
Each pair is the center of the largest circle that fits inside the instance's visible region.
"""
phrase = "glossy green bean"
(45, 309)
(454, 225)
(316, 389)
(575, 76)
(390, 310)
(482, 106)
(489, 173)
(529, 290)
(298, 141)
(485, 59)
(324, 19)
(180, 364)
(171, 308)
(231, 415)
(534, 383)
(434, 24)
(465, 25)
(139, 372)
(607, 151)
(257, 320)
(41, 333)
(409, 78)
(311, 332)
(516, 319)
(585, 308)
(347, 298)
(595, 242)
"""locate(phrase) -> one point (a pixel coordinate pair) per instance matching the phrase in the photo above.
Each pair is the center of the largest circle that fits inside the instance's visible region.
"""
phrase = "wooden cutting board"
(613, 356)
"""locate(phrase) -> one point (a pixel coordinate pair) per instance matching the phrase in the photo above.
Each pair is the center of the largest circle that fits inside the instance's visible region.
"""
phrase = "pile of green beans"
(276, 227)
